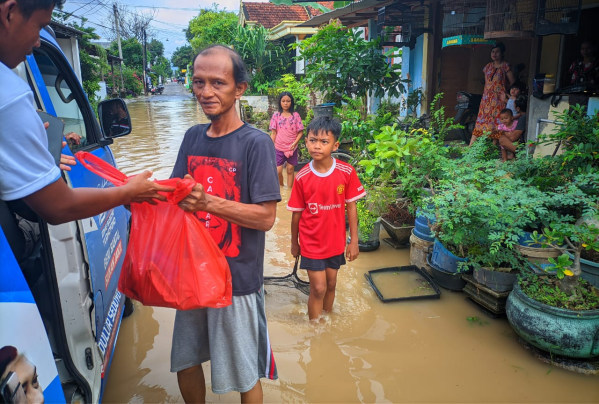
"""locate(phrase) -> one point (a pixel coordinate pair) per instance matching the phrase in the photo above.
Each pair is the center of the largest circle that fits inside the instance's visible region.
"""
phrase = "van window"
(64, 98)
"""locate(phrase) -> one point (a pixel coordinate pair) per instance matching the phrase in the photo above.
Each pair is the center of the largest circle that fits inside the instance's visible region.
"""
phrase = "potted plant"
(480, 210)
(369, 210)
(559, 313)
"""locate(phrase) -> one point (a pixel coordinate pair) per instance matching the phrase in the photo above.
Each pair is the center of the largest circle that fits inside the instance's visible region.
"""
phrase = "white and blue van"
(60, 306)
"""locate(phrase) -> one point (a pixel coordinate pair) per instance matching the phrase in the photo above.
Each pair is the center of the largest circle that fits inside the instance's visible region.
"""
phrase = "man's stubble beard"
(213, 118)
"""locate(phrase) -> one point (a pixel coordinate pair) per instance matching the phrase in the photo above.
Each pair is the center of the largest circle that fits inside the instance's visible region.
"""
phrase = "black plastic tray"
(413, 268)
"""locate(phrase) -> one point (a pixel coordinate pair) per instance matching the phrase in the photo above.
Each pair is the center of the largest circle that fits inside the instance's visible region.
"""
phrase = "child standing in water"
(318, 199)
(286, 132)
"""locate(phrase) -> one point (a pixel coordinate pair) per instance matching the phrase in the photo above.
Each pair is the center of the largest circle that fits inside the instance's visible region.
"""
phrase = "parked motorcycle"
(157, 90)
(467, 111)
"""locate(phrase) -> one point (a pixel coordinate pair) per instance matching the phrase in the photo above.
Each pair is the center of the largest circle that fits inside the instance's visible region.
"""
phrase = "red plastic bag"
(171, 260)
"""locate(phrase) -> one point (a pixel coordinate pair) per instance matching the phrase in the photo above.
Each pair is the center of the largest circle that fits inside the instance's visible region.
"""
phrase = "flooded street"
(435, 351)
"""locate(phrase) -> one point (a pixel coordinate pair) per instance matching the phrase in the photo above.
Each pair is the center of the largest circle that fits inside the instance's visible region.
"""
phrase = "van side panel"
(21, 324)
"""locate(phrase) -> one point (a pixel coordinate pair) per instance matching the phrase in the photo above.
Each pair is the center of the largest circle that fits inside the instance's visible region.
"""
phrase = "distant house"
(68, 40)
(446, 43)
(282, 21)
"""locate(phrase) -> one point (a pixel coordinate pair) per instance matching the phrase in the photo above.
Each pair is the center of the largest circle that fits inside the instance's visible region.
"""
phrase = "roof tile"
(270, 15)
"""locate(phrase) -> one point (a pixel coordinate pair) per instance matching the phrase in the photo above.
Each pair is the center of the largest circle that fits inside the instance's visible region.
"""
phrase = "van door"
(82, 259)
(22, 331)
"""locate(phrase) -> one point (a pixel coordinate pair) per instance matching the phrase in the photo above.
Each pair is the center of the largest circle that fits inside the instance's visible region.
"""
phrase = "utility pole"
(118, 39)
(145, 58)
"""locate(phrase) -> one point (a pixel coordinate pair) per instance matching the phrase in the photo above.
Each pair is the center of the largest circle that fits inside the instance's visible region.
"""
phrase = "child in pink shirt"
(286, 132)
(508, 124)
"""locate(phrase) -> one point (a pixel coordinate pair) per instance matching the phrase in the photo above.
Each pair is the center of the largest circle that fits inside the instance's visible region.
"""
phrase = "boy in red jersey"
(320, 192)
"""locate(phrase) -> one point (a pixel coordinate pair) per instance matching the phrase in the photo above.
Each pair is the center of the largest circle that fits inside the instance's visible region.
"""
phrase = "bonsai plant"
(572, 233)
(560, 313)
(481, 210)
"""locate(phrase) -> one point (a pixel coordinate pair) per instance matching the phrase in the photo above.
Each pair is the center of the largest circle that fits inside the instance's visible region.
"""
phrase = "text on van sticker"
(113, 253)
(109, 330)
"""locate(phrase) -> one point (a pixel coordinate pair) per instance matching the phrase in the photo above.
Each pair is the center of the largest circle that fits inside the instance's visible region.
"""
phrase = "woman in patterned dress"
(498, 78)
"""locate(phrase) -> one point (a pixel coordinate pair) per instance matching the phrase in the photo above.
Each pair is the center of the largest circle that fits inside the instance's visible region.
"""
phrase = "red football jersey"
(321, 197)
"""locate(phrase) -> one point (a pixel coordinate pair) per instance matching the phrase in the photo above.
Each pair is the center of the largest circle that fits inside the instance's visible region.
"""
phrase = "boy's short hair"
(326, 124)
(507, 111)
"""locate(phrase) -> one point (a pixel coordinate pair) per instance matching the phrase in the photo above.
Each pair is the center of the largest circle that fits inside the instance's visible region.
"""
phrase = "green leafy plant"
(481, 209)
(366, 221)
(545, 289)
(372, 207)
(265, 60)
(578, 138)
(288, 82)
(573, 227)
(412, 101)
(339, 61)
(211, 26)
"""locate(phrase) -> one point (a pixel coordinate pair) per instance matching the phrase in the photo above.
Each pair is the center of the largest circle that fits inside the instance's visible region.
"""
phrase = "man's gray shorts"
(234, 339)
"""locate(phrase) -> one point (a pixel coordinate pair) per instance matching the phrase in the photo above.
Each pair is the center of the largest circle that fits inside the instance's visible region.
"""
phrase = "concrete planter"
(569, 333)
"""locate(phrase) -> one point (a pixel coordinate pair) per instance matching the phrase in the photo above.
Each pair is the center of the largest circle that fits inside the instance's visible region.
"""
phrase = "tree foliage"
(92, 60)
(340, 62)
(162, 67)
(155, 51)
(132, 52)
(265, 60)
(182, 57)
(211, 26)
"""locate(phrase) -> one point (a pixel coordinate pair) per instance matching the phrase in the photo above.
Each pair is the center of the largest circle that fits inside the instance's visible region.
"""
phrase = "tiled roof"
(270, 15)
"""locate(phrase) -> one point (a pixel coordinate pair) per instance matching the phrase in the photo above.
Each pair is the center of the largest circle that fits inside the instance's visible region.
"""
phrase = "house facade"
(282, 21)
(446, 44)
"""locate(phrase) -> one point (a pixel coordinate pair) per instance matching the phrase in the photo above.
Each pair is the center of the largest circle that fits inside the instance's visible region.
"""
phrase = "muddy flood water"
(426, 351)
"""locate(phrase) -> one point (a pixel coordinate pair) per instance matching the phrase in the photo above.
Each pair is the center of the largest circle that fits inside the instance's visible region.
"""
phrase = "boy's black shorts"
(321, 264)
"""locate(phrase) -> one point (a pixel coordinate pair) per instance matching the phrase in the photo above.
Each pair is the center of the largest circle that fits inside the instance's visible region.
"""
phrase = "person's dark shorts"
(321, 264)
(281, 158)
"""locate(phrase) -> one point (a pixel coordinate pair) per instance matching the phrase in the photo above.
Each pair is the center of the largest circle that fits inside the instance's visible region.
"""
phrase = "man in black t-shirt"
(235, 198)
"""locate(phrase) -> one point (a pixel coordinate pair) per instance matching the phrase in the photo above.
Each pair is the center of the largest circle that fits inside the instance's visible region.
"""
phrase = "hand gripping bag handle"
(100, 167)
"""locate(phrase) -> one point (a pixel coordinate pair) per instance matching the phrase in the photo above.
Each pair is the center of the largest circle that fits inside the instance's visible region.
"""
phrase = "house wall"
(70, 47)
(412, 68)
(462, 67)
(556, 52)
(258, 102)
(550, 50)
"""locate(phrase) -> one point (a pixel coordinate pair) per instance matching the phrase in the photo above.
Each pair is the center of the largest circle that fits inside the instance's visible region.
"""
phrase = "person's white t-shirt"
(26, 165)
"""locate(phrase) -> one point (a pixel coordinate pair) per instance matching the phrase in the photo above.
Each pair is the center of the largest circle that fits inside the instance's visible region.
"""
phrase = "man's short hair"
(240, 73)
(326, 124)
(27, 7)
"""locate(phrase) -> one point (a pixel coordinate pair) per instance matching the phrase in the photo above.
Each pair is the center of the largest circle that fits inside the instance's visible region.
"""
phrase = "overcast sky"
(171, 17)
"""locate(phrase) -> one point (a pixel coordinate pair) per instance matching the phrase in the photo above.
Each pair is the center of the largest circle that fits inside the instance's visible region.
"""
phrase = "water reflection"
(158, 129)
(366, 351)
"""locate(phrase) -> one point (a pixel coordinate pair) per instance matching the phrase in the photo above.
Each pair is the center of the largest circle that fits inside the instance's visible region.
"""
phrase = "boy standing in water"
(320, 193)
